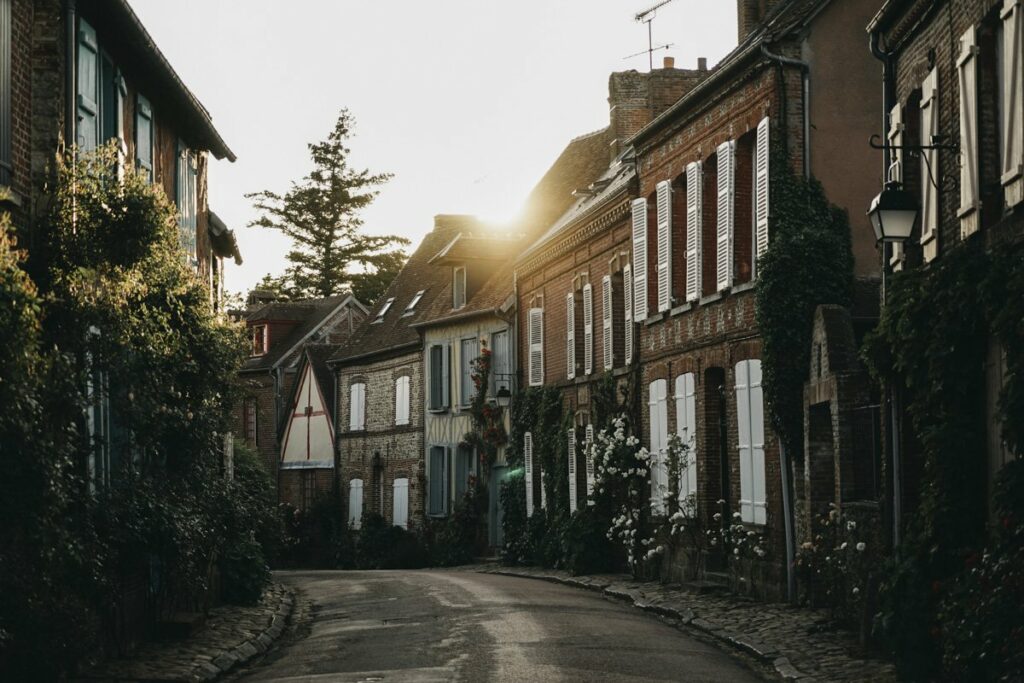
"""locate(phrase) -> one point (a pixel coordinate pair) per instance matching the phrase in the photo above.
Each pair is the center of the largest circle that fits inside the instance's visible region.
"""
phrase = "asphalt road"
(461, 626)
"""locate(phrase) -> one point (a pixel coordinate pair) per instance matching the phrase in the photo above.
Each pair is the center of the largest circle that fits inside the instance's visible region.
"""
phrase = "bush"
(381, 545)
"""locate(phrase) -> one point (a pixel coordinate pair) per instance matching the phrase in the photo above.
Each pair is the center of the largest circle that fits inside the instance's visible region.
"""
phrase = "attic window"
(412, 304)
(458, 287)
(259, 340)
(384, 309)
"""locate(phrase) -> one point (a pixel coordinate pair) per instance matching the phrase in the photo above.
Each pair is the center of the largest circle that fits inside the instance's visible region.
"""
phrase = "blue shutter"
(88, 72)
(144, 136)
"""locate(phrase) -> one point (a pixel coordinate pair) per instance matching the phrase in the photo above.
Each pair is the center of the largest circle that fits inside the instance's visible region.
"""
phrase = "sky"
(466, 102)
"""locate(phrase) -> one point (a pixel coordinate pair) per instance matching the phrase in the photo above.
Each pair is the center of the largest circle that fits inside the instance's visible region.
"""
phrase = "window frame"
(456, 304)
(408, 400)
(439, 377)
(383, 310)
(466, 388)
(411, 308)
(357, 418)
(265, 334)
(144, 111)
(439, 498)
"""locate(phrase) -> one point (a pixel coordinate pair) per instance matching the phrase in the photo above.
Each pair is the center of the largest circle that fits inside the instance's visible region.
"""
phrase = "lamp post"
(893, 214)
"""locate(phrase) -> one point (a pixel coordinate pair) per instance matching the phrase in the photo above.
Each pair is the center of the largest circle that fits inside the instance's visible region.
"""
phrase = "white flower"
(856, 590)
(843, 546)
(861, 546)
(736, 515)
(717, 516)
(851, 525)
(736, 551)
(720, 501)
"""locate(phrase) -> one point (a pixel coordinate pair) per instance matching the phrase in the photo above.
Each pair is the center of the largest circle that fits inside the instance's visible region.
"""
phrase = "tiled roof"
(309, 313)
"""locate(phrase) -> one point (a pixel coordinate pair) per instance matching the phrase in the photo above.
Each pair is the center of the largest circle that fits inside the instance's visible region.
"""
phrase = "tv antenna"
(647, 17)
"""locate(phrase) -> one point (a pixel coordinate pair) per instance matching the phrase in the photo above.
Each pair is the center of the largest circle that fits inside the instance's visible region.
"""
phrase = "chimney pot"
(670, 62)
(702, 63)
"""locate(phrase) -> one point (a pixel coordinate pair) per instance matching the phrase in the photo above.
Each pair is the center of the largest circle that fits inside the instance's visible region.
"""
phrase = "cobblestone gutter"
(795, 644)
(230, 637)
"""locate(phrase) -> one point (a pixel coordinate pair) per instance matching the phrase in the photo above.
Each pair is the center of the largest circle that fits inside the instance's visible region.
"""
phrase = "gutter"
(805, 75)
(459, 317)
(348, 359)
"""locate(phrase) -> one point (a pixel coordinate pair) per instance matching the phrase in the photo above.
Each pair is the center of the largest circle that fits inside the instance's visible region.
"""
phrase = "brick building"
(291, 340)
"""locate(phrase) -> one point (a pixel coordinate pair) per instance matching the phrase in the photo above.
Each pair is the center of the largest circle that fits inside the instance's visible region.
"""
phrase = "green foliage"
(809, 262)
(320, 214)
(317, 538)
(931, 343)
(381, 545)
(370, 285)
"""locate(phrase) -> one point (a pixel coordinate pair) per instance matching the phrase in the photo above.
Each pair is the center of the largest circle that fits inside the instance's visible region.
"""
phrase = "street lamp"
(503, 397)
(893, 213)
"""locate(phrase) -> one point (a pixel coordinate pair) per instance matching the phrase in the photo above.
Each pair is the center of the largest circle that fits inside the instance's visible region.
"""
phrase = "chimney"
(750, 14)
(702, 63)
(669, 62)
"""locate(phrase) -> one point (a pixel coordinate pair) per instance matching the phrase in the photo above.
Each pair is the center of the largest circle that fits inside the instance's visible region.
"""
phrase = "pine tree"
(320, 214)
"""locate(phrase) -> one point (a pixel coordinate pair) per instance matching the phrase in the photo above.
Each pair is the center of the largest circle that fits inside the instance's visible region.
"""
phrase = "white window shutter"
(528, 471)
(694, 228)
(588, 329)
(726, 185)
(743, 443)
(606, 322)
(355, 503)
(664, 205)
(970, 197)
(571, 452)
(400, 503)
(588, 448)
(402, 400)
(929, 165)
(536, 342)
(895, 135)
(356, 406)
(686, 429)
(570, 335)
(639, 260)
(1012, 82)
(658, 408)
(761, 189)
(627, 323)
(757, 442)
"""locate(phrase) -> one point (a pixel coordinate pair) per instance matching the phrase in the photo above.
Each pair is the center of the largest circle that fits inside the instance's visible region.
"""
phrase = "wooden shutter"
(761, 189)
(686, 428)
(750, 423)
(663, 193)
(1013, 101)
(606, 322)
(356, 406)
(726, 184)
(402, 400)
(588, 329)
(144, 136)
(434, 375)
(694, 228)
(929, 165)
(895, 135)
(570, 335)
(658, 408)
(355, 503)
(571, 453)
(970, 196)
(88, 74)
(400, 503)
(588, 449)
(528, 468)
(639, 260)
(535, 336)
(437, 484)
(627, 323)
(446, 376)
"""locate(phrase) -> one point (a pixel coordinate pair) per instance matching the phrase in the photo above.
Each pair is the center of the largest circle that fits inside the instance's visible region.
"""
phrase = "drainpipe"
(70, 95)
(805, 76)
(888, 102)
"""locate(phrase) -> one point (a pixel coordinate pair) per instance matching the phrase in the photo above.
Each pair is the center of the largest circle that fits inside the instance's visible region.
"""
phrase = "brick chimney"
(750, 14)
(635, 98)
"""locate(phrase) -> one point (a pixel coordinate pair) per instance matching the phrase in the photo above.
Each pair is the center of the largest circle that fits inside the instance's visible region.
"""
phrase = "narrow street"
(449, 625)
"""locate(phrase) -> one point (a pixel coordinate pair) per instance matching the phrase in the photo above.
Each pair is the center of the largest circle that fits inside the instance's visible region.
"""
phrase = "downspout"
(805, 77)
(888, 102)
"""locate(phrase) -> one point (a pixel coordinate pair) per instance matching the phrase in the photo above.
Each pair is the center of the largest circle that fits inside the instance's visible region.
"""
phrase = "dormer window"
(412, 304)
(383, 310)
(458, 287)
(259, 340)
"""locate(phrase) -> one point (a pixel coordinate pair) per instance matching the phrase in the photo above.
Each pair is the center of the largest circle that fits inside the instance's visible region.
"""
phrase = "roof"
(316, 356)
(467, 246)
(310, 314)
(223, 240)
(396, 329)
(886, 13)
(779, 21)
(166, 88)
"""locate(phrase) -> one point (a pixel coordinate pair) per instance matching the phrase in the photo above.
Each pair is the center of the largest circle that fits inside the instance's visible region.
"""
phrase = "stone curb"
(767, 655)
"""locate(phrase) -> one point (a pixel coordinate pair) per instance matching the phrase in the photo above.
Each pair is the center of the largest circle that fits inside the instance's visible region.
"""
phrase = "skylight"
(384, 309)
(412, 304)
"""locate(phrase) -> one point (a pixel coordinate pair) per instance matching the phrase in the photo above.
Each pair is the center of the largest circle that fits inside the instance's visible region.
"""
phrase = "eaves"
(381, 353)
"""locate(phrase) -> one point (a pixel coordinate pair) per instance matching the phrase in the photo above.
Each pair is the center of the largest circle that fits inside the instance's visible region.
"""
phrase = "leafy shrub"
(381, 545)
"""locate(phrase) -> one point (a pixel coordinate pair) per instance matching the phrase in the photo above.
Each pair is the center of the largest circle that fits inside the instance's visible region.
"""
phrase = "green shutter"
(144, 136)
(88, 72)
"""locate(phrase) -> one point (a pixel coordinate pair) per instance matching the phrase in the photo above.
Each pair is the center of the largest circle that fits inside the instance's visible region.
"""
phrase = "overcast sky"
(466, 102)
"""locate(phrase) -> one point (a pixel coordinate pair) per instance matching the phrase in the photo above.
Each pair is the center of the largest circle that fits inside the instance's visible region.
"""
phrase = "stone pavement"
(793, 644)
(231, 636)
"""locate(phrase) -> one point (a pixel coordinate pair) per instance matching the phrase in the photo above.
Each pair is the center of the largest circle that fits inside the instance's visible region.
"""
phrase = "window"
(437, 481)
(929, 165)
(458, 287)
(627, 317)
(308, 489)
(6, 50)
(439, 377)
(571, 453)
(570, 333)
(750, 419)
(384, 310)
(412, 304)
(694, 229)
(402, 399)
(761, 189)
(249, 418)
(259, 340)
(895, 136)
(88, 74)
(468, 352)
(355, 503)
(967, 66)
(725, 214)
(535, 339)
(663, 203)
(187, 202)
(607, 338)
(501, 362)
(658, 408)
(1012, 98)
(357, 407)
(588, 329)
(465, 469)
(144, 136)
(686, 428)
(400, 503)
(588, 446)
(639, 260)
(528, 471)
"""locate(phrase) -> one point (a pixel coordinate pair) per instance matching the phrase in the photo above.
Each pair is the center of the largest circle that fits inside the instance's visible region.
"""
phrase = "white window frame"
(658, 413)
(383, 310)
(411, 308)
(686, 430)
(262, 330)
